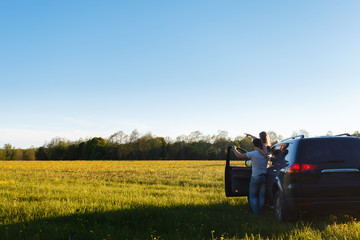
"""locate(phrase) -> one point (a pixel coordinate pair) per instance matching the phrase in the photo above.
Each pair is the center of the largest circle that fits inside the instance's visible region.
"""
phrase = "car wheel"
(280, 210)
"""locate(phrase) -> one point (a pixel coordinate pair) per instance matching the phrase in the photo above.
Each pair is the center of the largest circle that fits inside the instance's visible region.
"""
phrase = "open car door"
(237, 179)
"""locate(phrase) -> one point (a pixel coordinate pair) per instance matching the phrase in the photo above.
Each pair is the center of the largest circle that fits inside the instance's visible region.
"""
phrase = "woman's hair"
(265, 138)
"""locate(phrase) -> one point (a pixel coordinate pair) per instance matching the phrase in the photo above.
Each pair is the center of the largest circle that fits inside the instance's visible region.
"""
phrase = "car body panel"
(337, 162)
(237, 179)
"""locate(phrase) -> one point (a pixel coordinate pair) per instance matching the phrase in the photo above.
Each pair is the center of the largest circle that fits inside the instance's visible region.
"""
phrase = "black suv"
(305, 174)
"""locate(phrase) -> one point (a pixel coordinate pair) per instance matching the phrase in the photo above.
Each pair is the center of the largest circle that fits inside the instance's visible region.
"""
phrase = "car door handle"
(341, 170)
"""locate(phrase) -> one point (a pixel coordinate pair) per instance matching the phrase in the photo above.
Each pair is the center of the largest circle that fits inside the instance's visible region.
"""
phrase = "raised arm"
(249, 135)
(239, 155)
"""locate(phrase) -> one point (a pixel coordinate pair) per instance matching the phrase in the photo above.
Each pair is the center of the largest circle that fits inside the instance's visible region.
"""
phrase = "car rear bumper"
(344, 203)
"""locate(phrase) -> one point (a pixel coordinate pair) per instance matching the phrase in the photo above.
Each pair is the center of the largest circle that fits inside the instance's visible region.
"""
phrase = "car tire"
(280, 209)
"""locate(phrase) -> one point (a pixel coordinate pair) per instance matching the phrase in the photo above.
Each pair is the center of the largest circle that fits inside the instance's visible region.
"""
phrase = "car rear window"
(342, 150)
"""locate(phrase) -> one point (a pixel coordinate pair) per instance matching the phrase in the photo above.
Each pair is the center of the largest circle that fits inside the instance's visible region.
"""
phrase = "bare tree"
(119, 137)
(222, 135)
(301, 132)
(274, 138)
(196, 137)
(134, 136)
(329, 133)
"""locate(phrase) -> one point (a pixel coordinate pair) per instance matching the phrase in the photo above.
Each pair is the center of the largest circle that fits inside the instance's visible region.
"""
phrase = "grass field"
(140, 200)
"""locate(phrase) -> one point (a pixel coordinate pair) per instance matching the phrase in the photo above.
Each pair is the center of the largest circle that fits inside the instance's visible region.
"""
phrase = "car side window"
(319, 151)
(280, 154)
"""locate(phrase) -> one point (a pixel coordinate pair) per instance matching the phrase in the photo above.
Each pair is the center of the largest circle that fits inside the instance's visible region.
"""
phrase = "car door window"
(281, 154)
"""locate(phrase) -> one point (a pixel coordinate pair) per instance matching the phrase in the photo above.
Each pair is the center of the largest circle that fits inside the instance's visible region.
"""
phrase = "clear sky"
(78, 69)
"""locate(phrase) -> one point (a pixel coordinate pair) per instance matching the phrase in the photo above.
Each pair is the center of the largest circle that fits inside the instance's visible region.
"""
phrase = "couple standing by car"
(259, 158)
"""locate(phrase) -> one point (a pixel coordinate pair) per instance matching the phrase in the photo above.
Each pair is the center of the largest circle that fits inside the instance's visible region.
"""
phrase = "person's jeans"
(257, 193)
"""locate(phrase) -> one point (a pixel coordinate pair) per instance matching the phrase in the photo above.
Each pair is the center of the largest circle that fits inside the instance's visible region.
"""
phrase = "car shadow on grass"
(150, 222)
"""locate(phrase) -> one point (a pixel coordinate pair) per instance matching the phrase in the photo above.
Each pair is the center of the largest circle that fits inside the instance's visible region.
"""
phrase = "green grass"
(140, 200)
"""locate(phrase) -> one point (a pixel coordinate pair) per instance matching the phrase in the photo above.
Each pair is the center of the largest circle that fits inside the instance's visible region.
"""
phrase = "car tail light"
(303, 204)
(297, 167)
(307, 167)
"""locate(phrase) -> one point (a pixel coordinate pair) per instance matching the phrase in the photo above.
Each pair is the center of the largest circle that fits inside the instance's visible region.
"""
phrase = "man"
(257, 187)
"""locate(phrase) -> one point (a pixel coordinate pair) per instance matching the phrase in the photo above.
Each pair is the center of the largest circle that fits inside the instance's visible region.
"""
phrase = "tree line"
(134, 146)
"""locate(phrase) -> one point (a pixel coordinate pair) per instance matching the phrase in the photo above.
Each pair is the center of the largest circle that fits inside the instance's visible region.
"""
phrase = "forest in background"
(134, 146)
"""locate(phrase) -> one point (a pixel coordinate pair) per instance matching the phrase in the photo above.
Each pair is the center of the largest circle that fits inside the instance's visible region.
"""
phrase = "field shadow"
(151, 222)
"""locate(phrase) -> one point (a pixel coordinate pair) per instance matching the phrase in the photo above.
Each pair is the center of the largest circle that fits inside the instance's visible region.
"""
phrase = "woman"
(266, 143)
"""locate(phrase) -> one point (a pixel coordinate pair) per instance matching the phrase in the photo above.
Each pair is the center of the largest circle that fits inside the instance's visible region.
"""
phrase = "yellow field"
(138, 200)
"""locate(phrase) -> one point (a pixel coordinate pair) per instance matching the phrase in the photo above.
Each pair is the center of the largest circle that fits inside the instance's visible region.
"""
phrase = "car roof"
(302, 138)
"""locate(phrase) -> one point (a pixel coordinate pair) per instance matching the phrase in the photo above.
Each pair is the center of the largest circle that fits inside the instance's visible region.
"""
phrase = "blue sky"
(78, 69)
